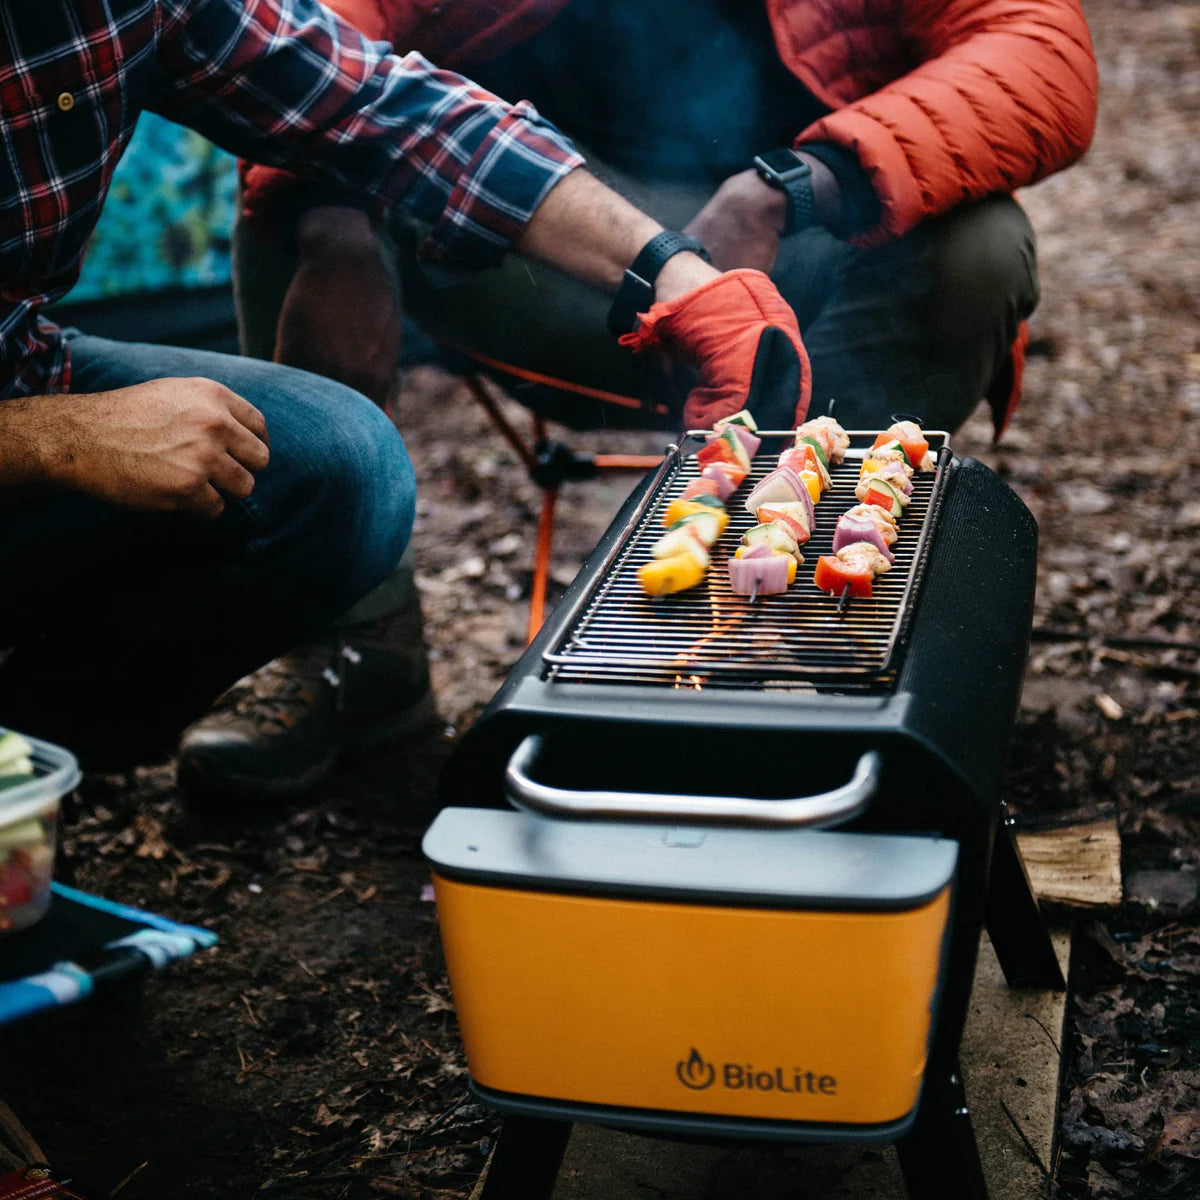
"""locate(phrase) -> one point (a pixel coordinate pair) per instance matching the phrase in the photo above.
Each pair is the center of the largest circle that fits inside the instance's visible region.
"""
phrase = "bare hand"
(339, 316)
(172, 445)
(741, 225)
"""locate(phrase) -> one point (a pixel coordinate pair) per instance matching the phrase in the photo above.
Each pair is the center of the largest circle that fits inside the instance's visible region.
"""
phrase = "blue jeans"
(123, 625)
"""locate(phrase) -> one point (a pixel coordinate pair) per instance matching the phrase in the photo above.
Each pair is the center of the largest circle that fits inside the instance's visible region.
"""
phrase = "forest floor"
(314, 1052)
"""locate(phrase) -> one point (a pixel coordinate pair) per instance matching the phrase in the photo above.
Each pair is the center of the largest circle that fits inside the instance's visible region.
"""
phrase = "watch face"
(782, 163)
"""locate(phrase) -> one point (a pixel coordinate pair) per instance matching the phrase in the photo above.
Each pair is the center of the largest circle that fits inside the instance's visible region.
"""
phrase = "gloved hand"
(742, 337)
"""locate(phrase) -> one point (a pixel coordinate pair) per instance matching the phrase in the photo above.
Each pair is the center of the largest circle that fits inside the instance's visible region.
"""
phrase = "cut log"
(1078, 866)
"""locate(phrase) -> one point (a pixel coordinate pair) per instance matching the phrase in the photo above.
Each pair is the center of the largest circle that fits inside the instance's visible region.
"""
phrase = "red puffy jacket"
(942, 101)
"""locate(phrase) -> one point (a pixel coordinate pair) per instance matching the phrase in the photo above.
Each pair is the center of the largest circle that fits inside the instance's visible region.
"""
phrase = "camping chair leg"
(544, 460)
(627, 462)
(479, 390)
(541, 564)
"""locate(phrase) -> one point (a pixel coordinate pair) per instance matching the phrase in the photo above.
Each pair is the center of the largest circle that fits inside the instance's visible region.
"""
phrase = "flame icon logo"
(693, 1072)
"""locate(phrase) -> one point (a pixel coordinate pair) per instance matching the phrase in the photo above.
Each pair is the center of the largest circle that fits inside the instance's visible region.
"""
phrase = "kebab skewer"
(864, 534)
(697, 517)
(783, 503)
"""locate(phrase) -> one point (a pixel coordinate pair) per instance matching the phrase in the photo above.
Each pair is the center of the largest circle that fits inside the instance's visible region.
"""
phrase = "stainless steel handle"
(816, 812)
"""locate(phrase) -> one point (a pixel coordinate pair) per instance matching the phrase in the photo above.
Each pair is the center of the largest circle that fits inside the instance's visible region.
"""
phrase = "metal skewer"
(843, 600)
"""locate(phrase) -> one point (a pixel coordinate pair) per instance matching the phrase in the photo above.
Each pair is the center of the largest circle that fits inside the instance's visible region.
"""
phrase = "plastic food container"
(28, 822)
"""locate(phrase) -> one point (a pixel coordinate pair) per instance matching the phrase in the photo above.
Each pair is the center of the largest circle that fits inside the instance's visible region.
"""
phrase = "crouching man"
(170, 519)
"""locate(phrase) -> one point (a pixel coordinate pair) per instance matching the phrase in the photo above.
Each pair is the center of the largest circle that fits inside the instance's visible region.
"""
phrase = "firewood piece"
(1078, 866)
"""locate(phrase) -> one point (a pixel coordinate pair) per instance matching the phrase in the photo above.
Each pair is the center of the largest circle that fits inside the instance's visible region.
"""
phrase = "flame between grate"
(710, 637)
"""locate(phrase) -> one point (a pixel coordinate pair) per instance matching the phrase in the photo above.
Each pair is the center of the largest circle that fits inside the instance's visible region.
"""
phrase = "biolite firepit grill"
(718, 868)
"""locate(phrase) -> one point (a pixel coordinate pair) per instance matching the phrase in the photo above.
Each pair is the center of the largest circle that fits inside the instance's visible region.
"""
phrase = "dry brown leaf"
(1180, 1135)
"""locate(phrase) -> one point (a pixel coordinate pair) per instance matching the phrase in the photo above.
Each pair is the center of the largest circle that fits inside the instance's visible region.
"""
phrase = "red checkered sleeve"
(287, 83)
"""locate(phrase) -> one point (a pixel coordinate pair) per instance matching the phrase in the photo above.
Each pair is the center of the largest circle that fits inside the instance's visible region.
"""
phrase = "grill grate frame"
(709, 637)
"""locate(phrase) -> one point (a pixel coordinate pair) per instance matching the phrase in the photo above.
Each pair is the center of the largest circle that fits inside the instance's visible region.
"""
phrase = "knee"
(984, 272)
(338, 499)
(368, 492)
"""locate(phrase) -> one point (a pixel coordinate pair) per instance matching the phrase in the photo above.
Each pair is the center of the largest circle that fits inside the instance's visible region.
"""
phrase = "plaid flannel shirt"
(283, 82)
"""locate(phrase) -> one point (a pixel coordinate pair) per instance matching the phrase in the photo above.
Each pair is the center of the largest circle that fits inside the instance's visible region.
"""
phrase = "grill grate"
(710, 637)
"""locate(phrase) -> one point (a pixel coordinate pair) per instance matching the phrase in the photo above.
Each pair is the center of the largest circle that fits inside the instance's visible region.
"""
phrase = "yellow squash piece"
(662, 576)
(678, 509)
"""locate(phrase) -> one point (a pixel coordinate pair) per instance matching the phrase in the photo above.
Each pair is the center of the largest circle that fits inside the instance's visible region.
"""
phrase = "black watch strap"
(785, 170)
(799, 194)
(636, 293)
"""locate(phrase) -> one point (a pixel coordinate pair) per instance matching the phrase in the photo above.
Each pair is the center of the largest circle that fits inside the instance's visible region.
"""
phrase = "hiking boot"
(278, 732)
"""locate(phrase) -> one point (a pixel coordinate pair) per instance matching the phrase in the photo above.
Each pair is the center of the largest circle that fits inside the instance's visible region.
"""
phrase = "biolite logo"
(694, 1072)
(697, 1073)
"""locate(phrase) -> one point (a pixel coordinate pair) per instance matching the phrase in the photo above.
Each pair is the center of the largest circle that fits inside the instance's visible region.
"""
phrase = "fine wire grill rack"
(708, 636)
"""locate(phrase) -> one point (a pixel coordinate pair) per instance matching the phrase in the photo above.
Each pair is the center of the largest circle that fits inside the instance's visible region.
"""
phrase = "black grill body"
(940, 713)
(942, 718)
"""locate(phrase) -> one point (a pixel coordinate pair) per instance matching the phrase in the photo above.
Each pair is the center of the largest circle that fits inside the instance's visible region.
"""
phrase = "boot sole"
(230, 786)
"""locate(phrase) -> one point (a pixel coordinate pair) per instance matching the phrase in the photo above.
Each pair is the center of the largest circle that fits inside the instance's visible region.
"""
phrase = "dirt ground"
(314, 1052)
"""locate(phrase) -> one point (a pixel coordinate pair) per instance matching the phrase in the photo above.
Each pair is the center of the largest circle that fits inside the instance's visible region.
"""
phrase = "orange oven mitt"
(741, 336)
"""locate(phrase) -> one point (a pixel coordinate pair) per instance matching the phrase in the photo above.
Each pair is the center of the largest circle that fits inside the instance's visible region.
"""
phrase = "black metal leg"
(939, 1156)
(525, 1162)
(1014, 920)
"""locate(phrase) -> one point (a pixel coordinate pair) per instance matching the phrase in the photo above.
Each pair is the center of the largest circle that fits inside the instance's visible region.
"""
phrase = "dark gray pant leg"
(262, 271)
(921, 326)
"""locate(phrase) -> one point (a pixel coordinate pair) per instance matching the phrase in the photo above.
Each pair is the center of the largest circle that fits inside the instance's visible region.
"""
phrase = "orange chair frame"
(530, 456)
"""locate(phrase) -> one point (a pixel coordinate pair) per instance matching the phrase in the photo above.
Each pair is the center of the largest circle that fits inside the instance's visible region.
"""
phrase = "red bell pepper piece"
(881, 497)
(914, 451)
(834, 576)
(766, 514)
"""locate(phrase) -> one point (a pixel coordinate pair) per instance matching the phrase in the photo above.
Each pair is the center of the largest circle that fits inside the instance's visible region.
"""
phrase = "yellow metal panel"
(804, 1016)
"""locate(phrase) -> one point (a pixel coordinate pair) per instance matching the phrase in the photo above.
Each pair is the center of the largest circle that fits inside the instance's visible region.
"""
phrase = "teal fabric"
(168, 217)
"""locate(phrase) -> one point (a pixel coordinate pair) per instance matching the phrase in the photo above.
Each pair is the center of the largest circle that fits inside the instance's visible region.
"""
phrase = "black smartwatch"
(636, 293)
(786, 170)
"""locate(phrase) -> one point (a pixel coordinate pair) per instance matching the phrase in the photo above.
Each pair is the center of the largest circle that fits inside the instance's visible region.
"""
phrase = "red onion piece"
(781, 485)
(769, 573)
(725, 486)
(850, 530)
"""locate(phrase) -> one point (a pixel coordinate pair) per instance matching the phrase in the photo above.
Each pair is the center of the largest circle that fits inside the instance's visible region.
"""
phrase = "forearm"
(589, 231)
(28, 442)
(746, 219)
